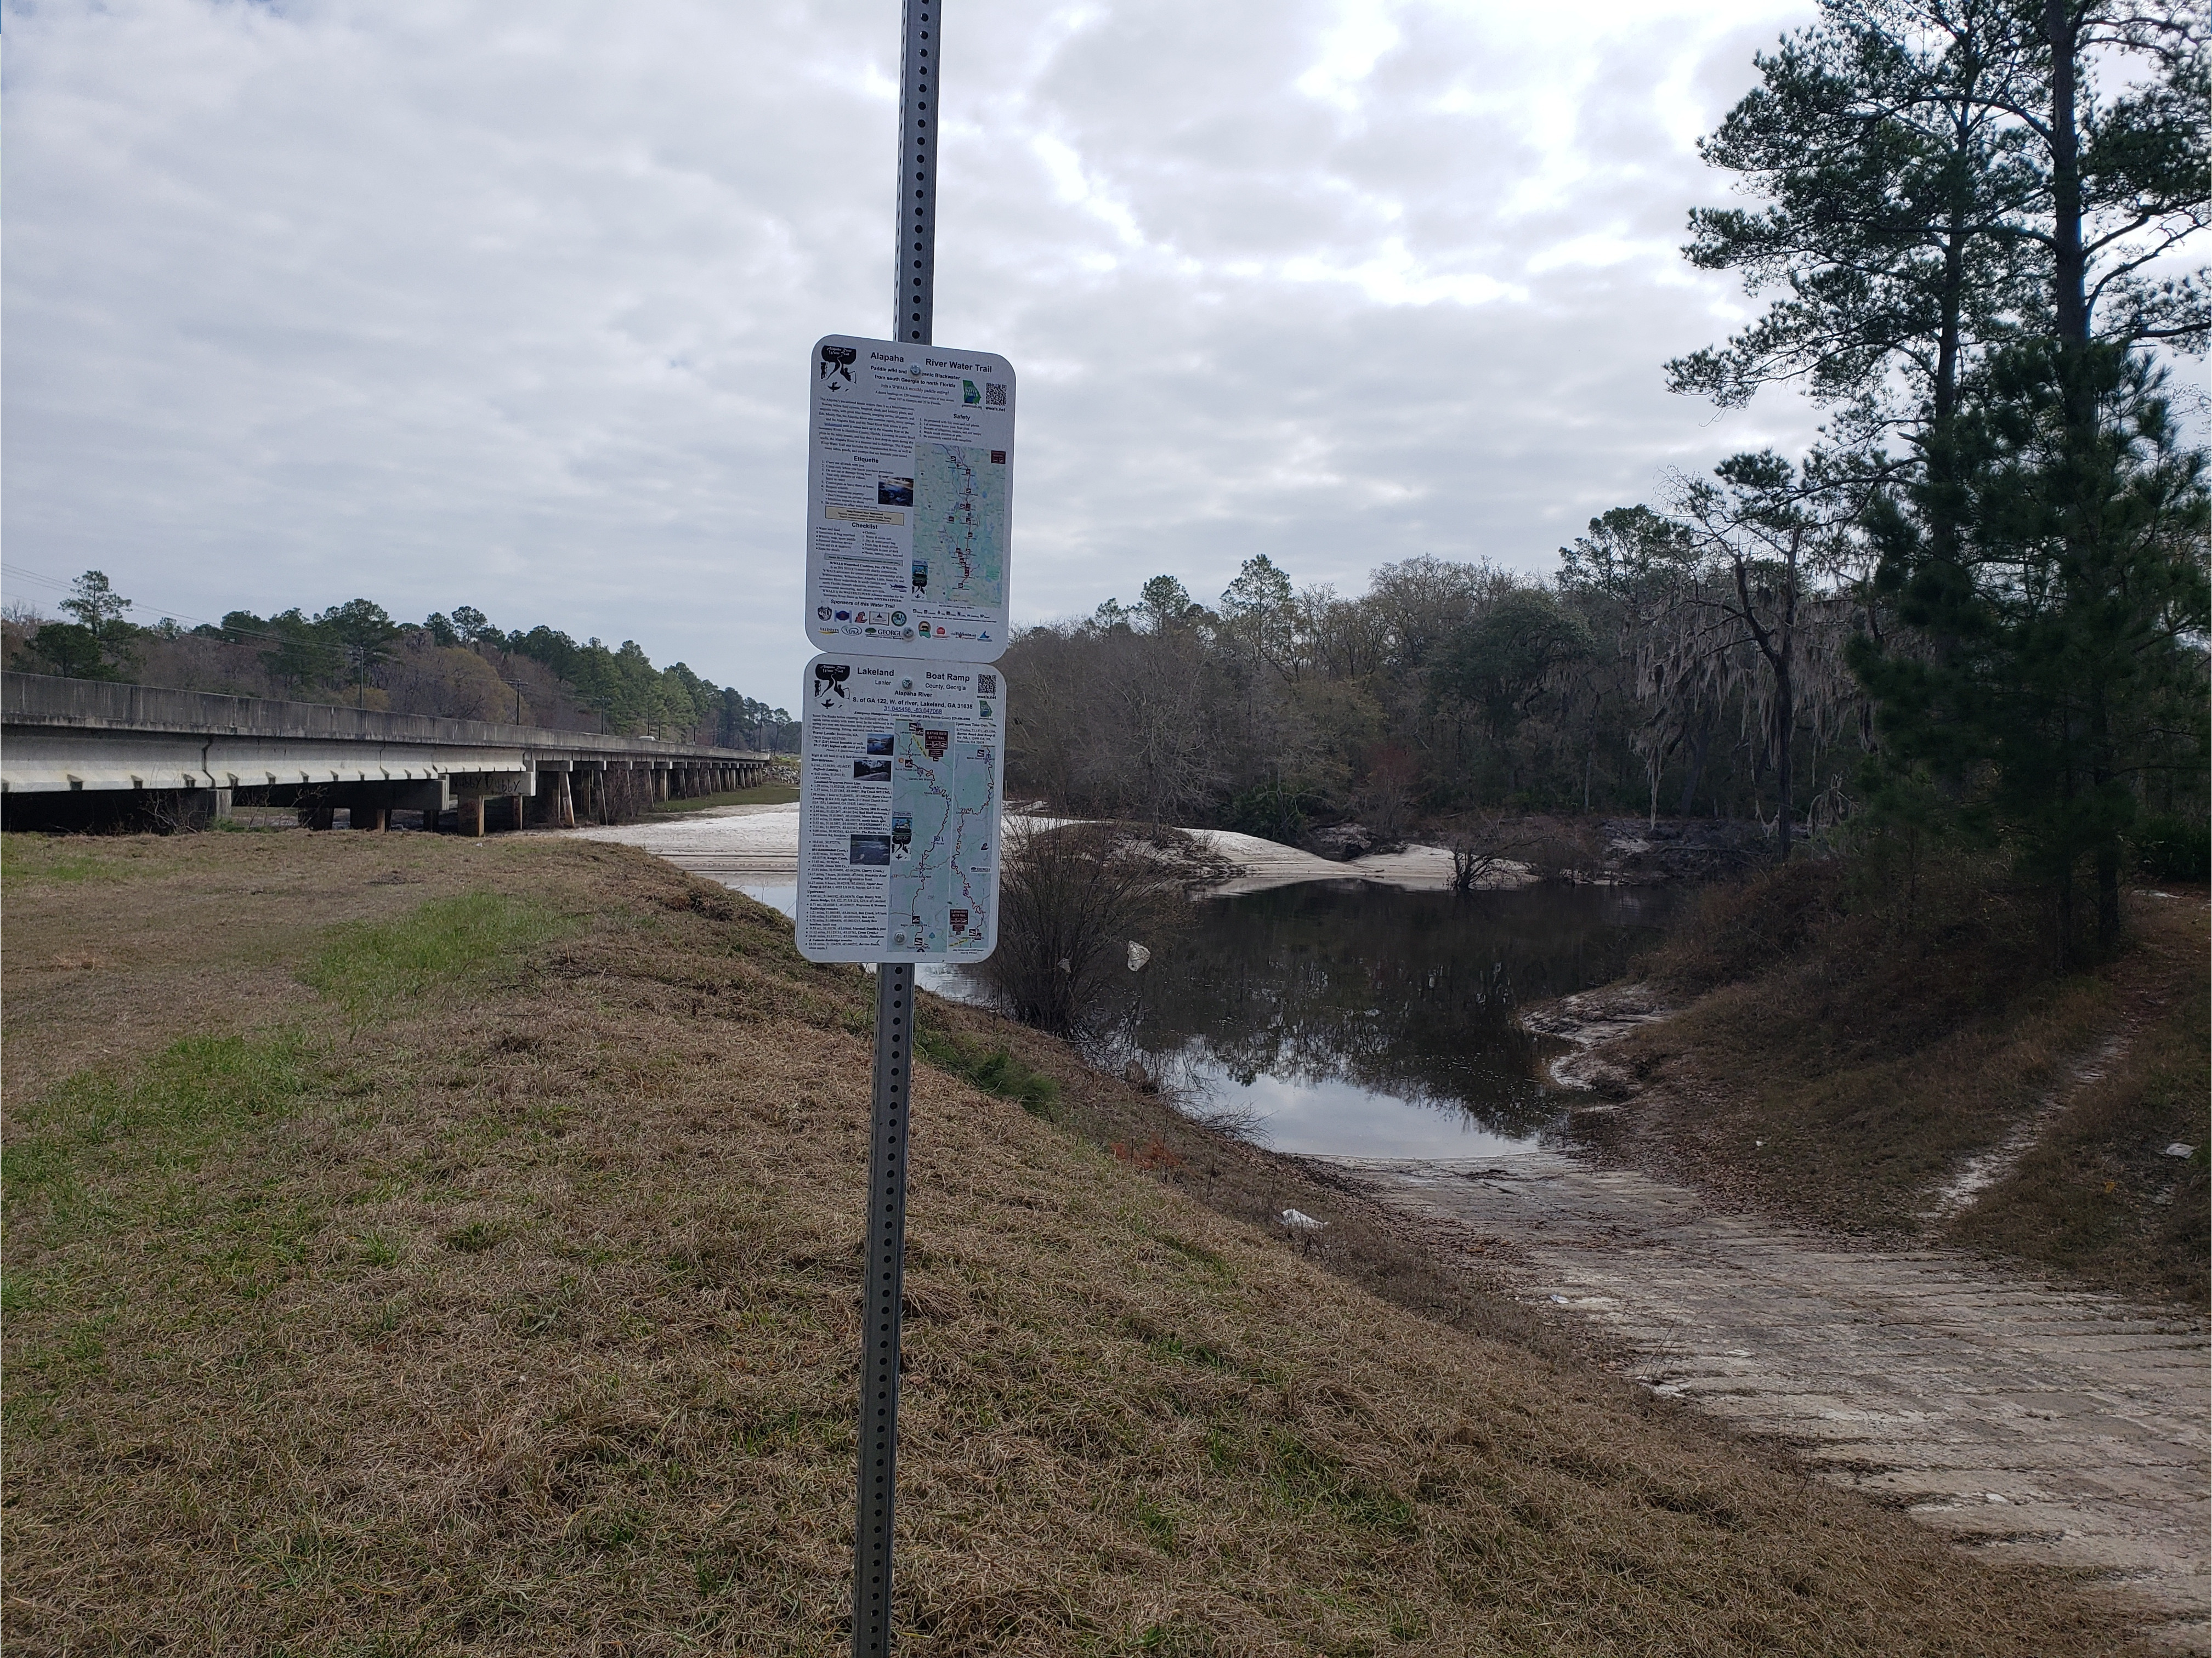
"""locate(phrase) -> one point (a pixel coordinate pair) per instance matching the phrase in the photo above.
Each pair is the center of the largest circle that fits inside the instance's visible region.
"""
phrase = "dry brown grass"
(479, 1276)
(1842, 1057)
(2097, 1194)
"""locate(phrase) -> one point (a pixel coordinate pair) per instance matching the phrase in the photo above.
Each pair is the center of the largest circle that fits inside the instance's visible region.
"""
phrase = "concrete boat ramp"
(2036, 1421)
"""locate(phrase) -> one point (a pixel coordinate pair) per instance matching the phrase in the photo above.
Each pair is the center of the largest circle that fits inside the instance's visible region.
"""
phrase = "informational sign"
(910, 495)
(902, 766)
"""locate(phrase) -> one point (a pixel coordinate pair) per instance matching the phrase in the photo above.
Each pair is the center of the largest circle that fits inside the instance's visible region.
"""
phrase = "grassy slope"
(1832, 1062)
(430, 1245)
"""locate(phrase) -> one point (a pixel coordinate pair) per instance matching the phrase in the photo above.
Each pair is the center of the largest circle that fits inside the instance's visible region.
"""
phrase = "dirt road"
(2022, 1419)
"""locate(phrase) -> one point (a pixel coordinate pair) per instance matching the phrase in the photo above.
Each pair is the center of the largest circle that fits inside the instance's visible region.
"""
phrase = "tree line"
(455, 665)
(1975, 611)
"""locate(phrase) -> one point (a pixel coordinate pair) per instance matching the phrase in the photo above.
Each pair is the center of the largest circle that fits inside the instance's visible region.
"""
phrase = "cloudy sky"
(507, 302)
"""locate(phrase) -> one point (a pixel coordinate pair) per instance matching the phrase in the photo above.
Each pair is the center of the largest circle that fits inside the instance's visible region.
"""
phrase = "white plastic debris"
(1138, 955)
(1298, 1221)
(2178, 1150)
(1562, 1300)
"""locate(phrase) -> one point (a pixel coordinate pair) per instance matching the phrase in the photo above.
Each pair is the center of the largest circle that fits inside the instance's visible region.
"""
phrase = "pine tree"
(2070, 611)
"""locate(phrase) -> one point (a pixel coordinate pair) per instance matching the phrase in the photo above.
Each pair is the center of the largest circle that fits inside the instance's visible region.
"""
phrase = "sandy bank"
(730, 843)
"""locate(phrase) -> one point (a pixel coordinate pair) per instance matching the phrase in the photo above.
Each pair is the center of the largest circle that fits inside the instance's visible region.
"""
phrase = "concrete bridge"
(85, 754)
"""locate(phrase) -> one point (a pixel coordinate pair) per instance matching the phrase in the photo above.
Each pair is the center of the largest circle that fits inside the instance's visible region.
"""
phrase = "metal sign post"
(913, 263)
(914, 272)
(879, 1319)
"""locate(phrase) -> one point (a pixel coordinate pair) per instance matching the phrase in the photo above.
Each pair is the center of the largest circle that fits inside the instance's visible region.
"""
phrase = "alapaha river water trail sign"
(909, 488)
(910, 496)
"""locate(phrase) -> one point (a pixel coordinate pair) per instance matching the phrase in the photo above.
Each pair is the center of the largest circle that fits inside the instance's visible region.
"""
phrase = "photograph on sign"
(901, 767)
(910, 495)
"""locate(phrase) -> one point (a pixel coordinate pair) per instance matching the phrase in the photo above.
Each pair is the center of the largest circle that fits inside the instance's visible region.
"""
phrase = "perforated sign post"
(909, 485)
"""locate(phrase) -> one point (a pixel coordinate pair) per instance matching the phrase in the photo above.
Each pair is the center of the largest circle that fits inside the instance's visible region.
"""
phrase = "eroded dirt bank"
(2023, 1419)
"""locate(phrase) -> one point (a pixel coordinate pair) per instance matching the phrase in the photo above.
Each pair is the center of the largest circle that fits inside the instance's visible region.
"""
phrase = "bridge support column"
(471, 814)
(564, 802)
(375, 819)
(318, 817)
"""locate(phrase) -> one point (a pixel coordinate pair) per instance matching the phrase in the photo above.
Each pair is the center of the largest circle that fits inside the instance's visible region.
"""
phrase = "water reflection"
(1341, 1019)
(1358, 1021)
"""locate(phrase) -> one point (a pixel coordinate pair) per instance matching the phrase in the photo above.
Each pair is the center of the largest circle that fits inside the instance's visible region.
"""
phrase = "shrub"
(2174, 847)
(1073, 898)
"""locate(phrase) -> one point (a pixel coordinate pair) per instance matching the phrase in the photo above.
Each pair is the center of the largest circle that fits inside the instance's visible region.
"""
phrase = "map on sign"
(909, 494)
(945, 819)
(901, 767)
(960, 526)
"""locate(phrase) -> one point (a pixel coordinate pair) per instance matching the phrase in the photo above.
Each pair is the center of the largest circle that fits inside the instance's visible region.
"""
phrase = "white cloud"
(446, 301)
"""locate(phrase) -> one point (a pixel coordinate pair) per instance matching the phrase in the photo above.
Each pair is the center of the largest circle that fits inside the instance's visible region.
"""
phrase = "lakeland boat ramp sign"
(909, 493)
(902, 764)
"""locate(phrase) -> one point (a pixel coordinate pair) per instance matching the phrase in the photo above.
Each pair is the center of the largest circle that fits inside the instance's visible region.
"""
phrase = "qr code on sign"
(987, 684)
(994, 396)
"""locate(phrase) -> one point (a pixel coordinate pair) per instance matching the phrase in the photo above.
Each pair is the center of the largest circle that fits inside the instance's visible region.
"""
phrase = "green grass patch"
(774, 792)
(46, 857)
(1156, 1525)
(366, 966)
(1187, 1352)
(474, 1238)
(192, 1094)
(1197, 1253)
(993, 1070)
(1316, 1481)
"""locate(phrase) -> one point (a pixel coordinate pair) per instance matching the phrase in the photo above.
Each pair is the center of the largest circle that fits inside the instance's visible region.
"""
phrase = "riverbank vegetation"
(1962, 215)
(456, 667)
(420, 1245)
(1868, 1051)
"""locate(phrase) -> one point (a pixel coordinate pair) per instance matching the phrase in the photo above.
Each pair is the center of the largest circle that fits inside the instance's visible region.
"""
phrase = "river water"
(1340, 1018)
